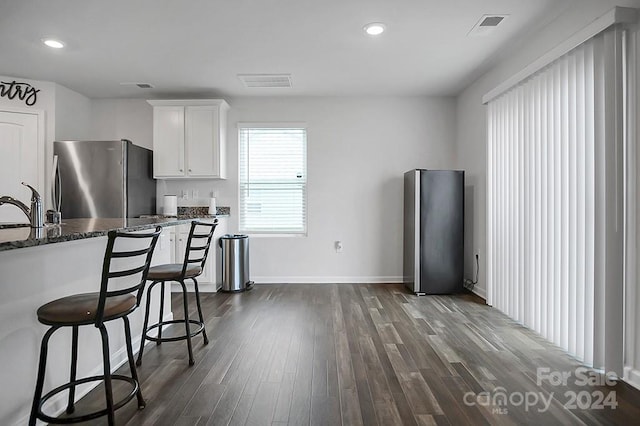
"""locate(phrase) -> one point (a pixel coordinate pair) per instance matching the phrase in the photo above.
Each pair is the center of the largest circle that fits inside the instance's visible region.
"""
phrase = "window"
(273, 179)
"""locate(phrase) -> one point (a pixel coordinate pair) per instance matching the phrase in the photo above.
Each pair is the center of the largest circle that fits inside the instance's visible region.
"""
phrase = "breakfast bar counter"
(38, 266)
(21, 236)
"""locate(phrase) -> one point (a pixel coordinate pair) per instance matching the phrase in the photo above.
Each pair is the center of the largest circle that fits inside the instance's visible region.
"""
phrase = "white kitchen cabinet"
(210, 279)
(168, 141)
(189, 138)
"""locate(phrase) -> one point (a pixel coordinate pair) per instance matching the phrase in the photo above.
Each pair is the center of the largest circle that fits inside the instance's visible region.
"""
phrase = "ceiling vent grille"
(491, 21)
(486, 25)
(266, 80)
(140, 85)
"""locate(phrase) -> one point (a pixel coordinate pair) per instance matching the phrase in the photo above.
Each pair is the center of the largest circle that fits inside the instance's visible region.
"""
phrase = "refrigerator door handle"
(56, 185)
(125, 178)
(417, 262)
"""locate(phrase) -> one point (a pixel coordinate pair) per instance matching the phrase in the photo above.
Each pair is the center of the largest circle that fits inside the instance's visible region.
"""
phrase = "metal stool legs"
(44, 347)
(188, 323)
(161, 315)
(106, 361)
(132, 367)
(39, 400)
(145, 326)
(204, 331)
(74, 369)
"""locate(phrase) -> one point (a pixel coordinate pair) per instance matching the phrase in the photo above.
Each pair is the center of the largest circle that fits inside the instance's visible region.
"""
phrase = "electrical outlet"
(185, 194)
(338, 246)
(195, 193)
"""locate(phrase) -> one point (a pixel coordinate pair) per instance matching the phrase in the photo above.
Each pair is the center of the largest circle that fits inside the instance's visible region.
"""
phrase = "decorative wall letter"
(23, 91)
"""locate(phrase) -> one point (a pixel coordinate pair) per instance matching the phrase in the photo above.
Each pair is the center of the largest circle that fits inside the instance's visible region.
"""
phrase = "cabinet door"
(208, 273)
(172, 246)
(165, 248)
(181, 246)
(202, 141)
(168, 141)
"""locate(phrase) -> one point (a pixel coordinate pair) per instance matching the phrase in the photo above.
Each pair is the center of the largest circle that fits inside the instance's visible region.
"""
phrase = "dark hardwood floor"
(364, 355)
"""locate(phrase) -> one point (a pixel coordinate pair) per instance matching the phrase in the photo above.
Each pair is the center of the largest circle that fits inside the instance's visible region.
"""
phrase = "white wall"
(358, 150)
(113, 119)
(73, 114)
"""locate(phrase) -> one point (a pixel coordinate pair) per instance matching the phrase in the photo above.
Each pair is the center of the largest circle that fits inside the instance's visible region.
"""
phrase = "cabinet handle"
(190, 170)
(180, 169)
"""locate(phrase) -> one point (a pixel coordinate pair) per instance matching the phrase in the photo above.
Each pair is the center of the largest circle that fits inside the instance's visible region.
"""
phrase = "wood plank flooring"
(362, 355)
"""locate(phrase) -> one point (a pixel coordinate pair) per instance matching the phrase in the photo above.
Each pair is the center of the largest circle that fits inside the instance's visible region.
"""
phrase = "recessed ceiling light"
(374, 28)
(56, 44)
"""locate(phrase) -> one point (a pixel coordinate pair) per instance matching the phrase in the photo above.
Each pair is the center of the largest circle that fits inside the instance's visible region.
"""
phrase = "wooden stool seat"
(81, 309)
(173, 271)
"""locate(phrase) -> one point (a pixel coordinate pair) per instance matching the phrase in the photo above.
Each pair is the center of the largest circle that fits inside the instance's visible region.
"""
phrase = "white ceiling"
(197, 47)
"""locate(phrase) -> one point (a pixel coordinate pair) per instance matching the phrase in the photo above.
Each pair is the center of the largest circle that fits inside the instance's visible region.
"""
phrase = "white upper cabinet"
(168, 141)
(189, 138)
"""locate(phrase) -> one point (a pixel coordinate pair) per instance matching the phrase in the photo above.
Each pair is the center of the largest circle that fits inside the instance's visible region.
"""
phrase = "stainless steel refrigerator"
(108, 179)
(433, 231)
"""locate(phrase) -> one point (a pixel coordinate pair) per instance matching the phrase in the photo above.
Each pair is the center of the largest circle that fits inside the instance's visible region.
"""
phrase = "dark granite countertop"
(202, 212)
(194, 213)
(182, 216)
(15, 237)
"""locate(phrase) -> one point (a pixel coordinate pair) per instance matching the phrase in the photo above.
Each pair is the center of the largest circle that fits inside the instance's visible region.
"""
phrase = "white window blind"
(273, 179)
(555, 201)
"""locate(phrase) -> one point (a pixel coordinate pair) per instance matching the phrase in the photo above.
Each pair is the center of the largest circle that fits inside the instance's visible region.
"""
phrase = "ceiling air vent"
(486, 25)
(265, 80)
(140, 85)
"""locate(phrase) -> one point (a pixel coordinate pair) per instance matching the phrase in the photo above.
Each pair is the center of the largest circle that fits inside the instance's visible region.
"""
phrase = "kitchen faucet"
(35, 213)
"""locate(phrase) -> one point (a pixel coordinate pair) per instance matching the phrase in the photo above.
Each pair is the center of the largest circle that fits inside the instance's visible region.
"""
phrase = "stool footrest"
(197, 331)
(88, 416)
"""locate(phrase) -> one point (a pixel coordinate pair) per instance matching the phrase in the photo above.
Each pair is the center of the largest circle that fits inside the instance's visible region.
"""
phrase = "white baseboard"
(327, 280)
(632, 376)
(480, 292)
(118, 359)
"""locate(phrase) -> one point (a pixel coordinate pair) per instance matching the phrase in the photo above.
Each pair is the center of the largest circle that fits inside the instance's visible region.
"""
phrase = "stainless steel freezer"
(105, 179)
(433, 231)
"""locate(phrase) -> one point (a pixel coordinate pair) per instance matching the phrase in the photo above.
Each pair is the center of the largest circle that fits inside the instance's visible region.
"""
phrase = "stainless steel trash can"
(235, 263)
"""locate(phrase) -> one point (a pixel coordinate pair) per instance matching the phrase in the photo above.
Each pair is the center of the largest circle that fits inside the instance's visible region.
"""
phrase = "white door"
(19, 146)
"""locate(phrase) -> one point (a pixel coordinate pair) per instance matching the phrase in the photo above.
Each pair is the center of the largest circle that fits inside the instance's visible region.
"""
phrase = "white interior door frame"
(41, 147)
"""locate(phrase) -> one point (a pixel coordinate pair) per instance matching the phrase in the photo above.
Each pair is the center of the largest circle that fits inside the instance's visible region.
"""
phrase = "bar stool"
(194, 258)
(98, 308)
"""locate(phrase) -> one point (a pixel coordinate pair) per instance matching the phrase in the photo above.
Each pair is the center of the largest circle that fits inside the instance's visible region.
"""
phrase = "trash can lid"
(234, 236)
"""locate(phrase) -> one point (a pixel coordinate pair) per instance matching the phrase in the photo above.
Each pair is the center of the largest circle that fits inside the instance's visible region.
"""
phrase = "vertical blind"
(273, 179)
(555, 201)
